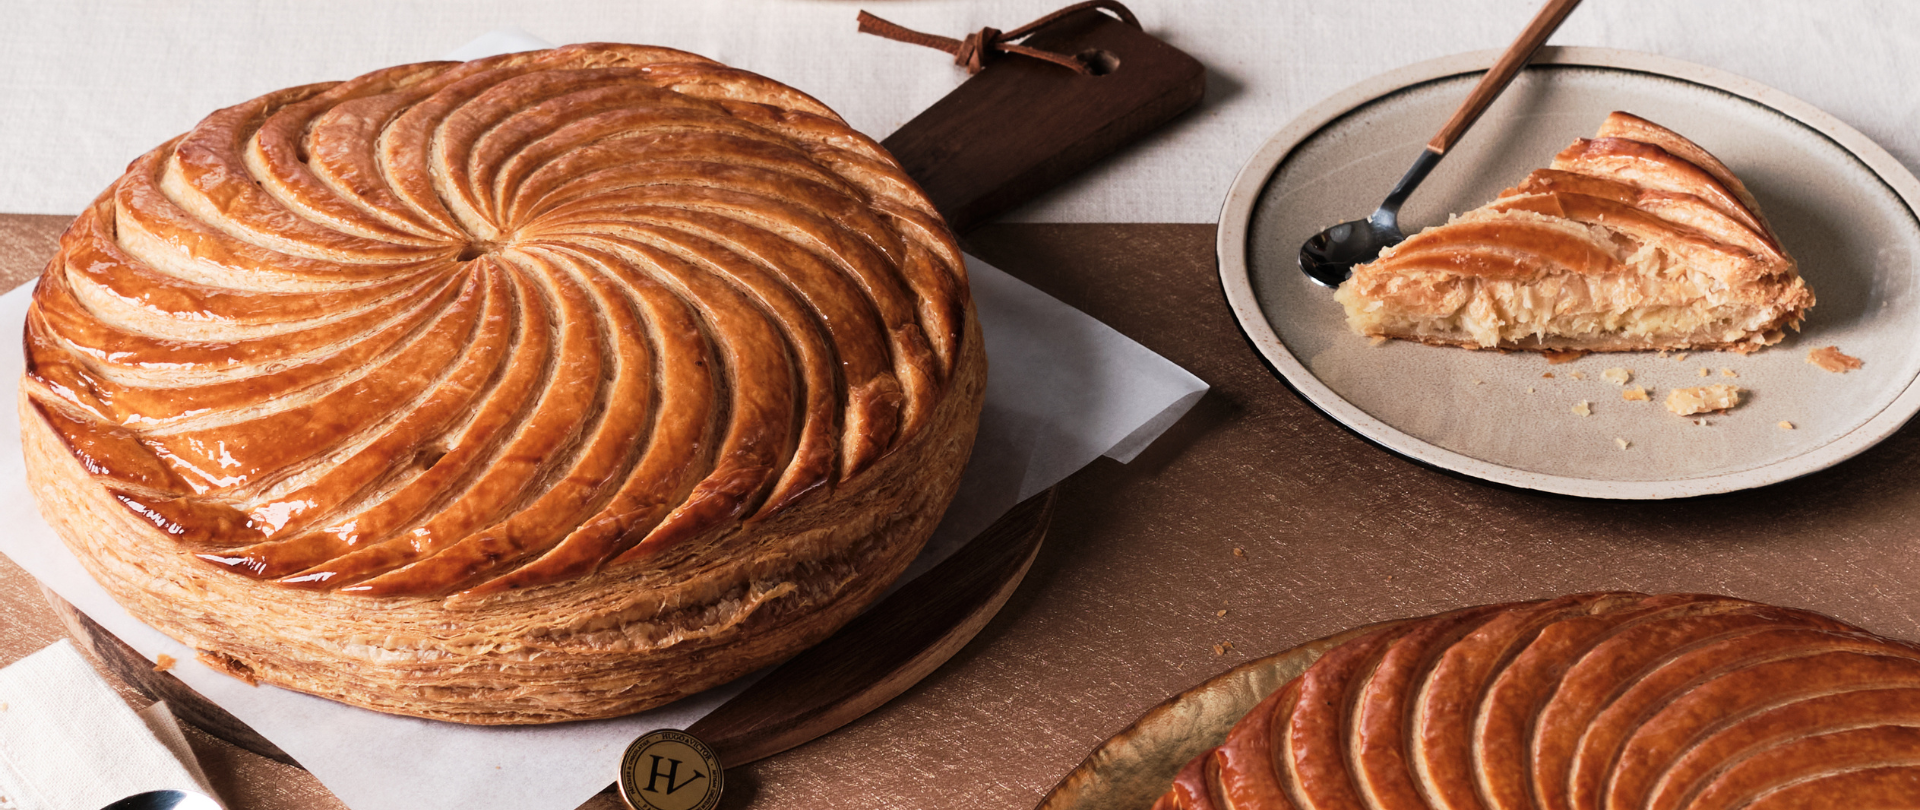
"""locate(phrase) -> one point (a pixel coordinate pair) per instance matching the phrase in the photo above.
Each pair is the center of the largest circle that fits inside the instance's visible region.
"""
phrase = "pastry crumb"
(162, 662)
(1689, 401)
(1624, 444)
(1727, 372)
(1679, 357)
(1221, 612)
(1222, 647)
(1637, 393)
(1239, 552)
(1577, 375)
(1705, 371)
(1830, 358)
(1479, 382)
(1786, 425)
(1377, 340)
(1618, 376)
(1582, 408)
(1529, 389)
(1547, 376)
(1558, 357)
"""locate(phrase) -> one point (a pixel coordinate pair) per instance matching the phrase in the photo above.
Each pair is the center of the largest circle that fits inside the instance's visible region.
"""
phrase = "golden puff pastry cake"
(1634, 239)
(550, 386)
(1605, 700)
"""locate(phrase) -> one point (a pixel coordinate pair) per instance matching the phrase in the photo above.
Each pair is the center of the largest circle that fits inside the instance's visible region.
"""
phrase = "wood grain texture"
(26, 242)
(1022, 126)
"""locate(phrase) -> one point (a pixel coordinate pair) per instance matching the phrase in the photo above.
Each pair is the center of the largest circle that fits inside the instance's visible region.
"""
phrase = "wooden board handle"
(1502, 73)
(1021, 126)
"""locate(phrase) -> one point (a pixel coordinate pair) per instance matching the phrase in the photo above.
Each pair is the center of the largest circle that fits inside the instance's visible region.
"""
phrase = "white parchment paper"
(1062, 390)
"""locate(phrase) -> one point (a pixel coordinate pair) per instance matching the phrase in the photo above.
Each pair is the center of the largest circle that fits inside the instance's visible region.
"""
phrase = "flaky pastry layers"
(550, 386)
(1604, 700)
(1634, 239)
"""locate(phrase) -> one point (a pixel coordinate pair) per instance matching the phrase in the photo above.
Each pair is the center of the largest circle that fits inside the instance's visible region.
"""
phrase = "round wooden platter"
(870, 661)
(1133, 768)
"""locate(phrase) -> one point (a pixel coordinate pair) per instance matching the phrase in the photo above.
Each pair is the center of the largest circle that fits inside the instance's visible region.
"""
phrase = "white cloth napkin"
(68, 742)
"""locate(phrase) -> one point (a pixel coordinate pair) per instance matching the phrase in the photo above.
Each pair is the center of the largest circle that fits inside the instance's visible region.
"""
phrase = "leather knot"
(983, 45)
(975, 49)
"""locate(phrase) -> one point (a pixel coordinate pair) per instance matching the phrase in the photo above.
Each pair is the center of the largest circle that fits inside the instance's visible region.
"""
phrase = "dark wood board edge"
(130, 666)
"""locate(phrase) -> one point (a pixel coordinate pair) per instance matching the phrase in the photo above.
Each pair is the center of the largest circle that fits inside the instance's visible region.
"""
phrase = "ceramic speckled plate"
(1843, 207)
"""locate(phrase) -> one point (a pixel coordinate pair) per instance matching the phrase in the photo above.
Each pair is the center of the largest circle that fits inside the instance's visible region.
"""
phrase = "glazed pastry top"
(474, 327)
(1602, 700)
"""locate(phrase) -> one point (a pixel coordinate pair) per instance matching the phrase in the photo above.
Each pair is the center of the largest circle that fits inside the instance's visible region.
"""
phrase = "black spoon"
(165, 800)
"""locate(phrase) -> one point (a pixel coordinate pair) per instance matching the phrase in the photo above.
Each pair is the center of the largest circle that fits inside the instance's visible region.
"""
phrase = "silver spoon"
(165, 800)
(1329, 256)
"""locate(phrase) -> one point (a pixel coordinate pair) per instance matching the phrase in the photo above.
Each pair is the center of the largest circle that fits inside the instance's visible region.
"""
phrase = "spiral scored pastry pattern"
(487, 326)
(1609, 700)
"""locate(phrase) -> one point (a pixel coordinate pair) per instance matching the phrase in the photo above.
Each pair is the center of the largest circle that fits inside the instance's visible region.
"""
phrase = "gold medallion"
(670, 770)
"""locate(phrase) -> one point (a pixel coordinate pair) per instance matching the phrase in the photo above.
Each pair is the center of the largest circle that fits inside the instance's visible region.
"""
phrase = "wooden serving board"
(1014, 130)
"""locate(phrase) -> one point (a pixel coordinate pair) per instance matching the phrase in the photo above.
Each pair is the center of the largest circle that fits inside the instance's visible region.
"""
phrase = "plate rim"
(1236, 282)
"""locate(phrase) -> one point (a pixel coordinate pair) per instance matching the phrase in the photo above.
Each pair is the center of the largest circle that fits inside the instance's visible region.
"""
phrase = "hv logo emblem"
(670, 770)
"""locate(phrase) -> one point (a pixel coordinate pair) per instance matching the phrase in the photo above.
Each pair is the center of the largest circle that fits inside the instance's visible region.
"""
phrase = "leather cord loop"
(981, 46)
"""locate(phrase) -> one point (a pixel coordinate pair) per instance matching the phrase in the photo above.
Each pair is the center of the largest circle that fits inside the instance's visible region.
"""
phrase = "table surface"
(1254, 504)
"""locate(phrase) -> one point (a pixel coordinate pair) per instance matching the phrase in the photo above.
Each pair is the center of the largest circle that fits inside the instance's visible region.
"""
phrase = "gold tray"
(1131, 769)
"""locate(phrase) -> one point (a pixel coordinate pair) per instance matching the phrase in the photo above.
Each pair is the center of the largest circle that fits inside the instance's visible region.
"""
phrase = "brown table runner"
(1122, 607)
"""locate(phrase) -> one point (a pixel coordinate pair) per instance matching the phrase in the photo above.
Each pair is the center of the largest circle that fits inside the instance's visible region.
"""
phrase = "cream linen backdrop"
(87, 86)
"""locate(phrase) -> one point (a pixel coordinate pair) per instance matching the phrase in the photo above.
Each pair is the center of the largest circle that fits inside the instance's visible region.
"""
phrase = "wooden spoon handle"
(1502, 73)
